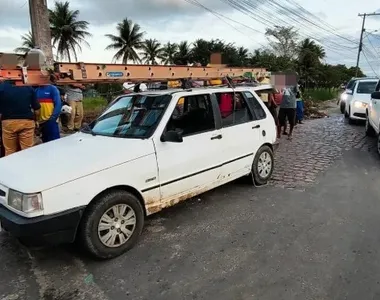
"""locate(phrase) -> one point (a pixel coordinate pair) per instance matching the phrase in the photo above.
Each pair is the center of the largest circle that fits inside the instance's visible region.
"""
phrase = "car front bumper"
(358, 113)
(54, 229)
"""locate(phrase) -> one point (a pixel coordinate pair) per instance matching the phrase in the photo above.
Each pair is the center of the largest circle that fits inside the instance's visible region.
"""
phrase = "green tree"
(67, 31)
(201, 52)
(243, 56)
(128, 40)
(183, 55)
(151, 51)
(27, 43)
(168, 53)
(283, 41)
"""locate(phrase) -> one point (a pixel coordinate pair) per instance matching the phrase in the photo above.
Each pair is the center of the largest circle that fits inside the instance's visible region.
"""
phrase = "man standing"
(74, 98)
(18, 109)
(50, 101)
(288, 109)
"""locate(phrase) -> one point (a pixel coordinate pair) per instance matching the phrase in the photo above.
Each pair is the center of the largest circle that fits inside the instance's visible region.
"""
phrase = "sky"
(333, 23)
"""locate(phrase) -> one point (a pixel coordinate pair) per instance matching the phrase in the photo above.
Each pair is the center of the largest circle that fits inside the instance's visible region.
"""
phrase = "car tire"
(350, 121)
(108, 243)
(262, 166)
(346, 115)
(342, 107)
(369, 131)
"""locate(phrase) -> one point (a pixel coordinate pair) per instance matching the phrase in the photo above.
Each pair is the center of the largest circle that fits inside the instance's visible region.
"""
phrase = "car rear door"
(241, 134)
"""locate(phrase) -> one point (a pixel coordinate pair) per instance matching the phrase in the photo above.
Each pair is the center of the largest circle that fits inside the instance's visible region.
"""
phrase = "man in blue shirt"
(49, 99)
(18, 107)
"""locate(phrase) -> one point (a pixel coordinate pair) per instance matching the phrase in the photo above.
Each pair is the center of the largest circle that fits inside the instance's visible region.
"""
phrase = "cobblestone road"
(315, 146)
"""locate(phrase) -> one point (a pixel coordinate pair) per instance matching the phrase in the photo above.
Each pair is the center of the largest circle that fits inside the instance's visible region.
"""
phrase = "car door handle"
(255, 127)
(217, 137)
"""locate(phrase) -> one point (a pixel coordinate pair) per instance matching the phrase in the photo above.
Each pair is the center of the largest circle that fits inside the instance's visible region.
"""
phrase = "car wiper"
(87, 129)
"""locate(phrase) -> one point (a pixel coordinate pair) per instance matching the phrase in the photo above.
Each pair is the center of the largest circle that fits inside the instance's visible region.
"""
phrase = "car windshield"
(350, 84)
(132, 116)
(366, 87)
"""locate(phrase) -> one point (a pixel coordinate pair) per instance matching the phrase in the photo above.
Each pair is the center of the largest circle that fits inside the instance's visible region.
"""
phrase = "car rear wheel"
(112, 224)
(263, 164)
(369, 131)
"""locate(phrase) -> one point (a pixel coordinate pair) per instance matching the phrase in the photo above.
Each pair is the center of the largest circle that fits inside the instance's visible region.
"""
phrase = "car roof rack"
(35, 72)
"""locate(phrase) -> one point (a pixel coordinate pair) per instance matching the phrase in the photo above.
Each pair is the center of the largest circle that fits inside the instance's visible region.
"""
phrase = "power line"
(370, 65)
(222, 17)
(361, 37)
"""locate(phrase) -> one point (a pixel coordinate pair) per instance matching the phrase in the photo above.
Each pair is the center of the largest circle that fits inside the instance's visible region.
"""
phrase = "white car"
(347, 90)
(357, 101)
(372, 125)
(144, 153)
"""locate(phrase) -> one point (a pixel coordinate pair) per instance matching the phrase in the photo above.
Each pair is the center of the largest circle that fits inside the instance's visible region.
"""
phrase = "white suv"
(372, 125)
(145, 152)
(358, 100)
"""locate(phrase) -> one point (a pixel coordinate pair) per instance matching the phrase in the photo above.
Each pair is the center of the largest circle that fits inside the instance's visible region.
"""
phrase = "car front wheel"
(263, 164)
(112, 224)
(342, 107)
(369, 131)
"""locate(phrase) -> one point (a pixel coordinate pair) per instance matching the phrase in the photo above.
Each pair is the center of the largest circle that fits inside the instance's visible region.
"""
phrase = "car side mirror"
(375, 95)
(350, 92)
(172, 136)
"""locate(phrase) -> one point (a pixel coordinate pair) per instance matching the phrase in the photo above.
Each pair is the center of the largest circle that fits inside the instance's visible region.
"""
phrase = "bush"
(322, 94)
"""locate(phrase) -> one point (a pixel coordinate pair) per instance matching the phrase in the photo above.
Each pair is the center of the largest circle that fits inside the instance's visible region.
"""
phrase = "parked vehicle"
(357, 101)
(372, 125)
(145, 152)
(347, 90)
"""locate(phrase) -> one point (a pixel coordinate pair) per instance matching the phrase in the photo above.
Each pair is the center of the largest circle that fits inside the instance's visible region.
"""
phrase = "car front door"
(194, 165)
(374, 110)
(241, 134)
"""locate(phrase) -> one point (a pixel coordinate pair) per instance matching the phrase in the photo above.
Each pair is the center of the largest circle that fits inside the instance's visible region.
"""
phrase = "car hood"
(55, 163)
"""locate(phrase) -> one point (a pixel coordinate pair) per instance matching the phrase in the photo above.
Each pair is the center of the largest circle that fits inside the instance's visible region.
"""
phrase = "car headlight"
(26, 203)
(359, 104)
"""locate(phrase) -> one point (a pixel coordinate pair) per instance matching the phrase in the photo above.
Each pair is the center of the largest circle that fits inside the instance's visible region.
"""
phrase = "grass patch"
(94, 104)
(322, 94)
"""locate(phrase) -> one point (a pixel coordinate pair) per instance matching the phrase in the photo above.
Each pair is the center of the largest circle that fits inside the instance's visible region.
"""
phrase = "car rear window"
(366, 87)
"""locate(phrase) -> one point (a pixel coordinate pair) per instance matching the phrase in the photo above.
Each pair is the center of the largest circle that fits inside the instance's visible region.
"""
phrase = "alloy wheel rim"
(264, 165)
(117, 225)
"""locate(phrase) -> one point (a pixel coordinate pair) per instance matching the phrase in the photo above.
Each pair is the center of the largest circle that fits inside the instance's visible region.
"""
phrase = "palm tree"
(168, 53)
(127, 42)
(183, 55)
(201, 51)
(151, 50)
(242, 54)
(27, 43)
(68, 33)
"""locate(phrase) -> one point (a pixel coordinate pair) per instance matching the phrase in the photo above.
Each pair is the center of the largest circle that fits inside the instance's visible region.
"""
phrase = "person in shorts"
(288, 108)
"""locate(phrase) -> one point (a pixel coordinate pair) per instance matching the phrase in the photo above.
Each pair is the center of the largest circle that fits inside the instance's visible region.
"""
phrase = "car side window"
(377, 89)
(192, 115)
(233, 109)
(259, 112)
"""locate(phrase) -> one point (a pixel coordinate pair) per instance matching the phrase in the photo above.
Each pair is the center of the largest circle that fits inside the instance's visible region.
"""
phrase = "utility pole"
(361, 38)
(39, 19)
